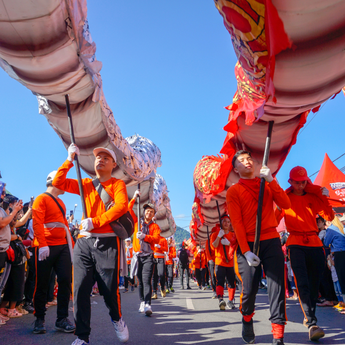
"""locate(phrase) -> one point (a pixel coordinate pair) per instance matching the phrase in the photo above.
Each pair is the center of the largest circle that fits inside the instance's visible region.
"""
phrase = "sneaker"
(121, 330)
(80, 342)
(147, 310)
(230, 304)
(305, 322)
(172, 290)
(142, 306)
(125, 290)
(189, 288)
(39, 327)
(167, 291)
(278, 341)
(163, 293)
(248, 335)
(315, 333)
(29, 308)
(21, 310)
(13, 313)
(222, 304)
(214, 295)
(121, 287)
(64, 325)
(53, 302)
(154, 296)
(132, 288)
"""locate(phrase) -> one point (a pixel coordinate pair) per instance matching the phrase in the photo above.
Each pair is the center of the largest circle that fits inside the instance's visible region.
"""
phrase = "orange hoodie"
(44, 211)
(94, 205)
(199, 260)
(300, 219)
(171, 255)
(159, 253)
(152, 238)
(242, 203)
(220, 259)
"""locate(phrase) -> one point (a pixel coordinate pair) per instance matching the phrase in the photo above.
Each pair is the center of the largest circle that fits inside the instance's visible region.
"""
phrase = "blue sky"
(168, 73)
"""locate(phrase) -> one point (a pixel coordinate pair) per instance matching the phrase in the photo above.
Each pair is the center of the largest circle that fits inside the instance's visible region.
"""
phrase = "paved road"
(185, 317)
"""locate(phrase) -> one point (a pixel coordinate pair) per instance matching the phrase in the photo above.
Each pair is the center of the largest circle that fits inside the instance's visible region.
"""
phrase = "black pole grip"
(77, 166)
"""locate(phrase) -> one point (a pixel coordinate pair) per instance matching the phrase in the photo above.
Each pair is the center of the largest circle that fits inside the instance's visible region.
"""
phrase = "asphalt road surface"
(183, 317)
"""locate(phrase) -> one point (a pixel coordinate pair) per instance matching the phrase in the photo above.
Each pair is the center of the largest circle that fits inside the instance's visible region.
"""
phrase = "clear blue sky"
(168, 73)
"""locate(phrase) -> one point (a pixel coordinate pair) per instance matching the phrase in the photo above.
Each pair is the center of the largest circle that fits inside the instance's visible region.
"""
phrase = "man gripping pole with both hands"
(97, 250)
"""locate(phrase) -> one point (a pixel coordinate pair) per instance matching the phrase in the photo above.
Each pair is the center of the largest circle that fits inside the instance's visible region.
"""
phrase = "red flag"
(333, 179)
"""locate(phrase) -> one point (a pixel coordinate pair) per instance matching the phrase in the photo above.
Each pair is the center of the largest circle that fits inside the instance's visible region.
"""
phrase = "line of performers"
(229, 250)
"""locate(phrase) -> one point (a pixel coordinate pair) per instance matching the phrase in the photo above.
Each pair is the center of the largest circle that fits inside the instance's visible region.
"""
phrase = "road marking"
(189, 303)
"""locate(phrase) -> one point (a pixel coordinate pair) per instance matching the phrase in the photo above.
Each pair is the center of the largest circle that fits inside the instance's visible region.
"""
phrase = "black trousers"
(144, 275)
(211, 269)
(182, 271)
(31, 278)
(272, 260)
(225, 273)
(59, 259)
(308, 264)
(3, 259)
(95, 259)
(339, 264)
(128, 279)
(170, 276)
(326, 287)
(200, 275)
(15, 284)
(158, 273)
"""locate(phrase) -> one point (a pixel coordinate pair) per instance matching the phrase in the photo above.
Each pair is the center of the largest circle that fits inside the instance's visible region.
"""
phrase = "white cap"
(97, 150)
(51, 176)
(128, 239)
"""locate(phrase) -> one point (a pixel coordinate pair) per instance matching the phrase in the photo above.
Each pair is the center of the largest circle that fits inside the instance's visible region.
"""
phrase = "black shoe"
(40, 327)
(189, 288)
(248, 335)
(29, 308)
(64, 325)
(278, 341)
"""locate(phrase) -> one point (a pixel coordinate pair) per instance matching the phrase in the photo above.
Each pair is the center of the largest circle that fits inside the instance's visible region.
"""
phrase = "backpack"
(19, 251)
(184, 258)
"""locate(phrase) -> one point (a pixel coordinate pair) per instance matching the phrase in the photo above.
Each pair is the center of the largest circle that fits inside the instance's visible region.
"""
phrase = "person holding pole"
(97, 250)
(306, 253)
(242, 203)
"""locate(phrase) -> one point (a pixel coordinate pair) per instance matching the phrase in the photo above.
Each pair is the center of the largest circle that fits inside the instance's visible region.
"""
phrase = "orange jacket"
(129, 254)
(171, 255)
(44, 211)
(94, 205)
(220, 258)
(199, 260)
(210, 255)
(159, 253)
(243, 204)
(152, 238)
(300, 219)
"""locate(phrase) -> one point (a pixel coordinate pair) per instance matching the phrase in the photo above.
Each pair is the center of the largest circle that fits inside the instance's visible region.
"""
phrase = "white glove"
(72, 149)
(265, 173)
(141, 235)
(325, 191)
(252, 259)
(43, 253)
(220, 233)
(136, 193)
(87, 224)
(199, 251)
(224, 241)
(157, 246)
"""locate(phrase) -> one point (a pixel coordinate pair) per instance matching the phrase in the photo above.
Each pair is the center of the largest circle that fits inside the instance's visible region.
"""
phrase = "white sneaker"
(147, 310)
(121, 287)
(121, 330)
(142, 307)
(80, 342)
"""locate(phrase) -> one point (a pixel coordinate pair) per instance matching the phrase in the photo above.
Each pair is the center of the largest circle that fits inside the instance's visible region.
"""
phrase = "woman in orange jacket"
(200, 266)
(171, 254)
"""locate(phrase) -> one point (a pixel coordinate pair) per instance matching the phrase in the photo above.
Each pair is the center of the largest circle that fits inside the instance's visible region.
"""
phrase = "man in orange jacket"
(242, 203)
(171, 254)
(159, 266)
(129, 255)
(224, 242)
(144, 241)
(305, 248)
(97, 250)
(210, 256)
(51, 238)
(199, 262)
